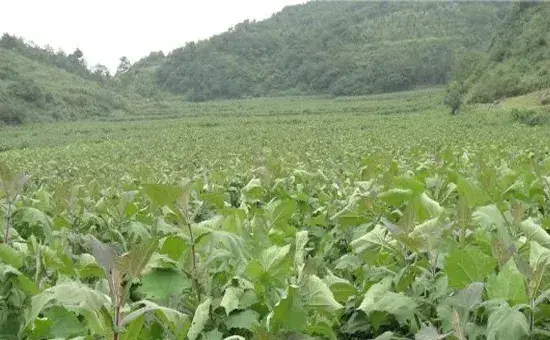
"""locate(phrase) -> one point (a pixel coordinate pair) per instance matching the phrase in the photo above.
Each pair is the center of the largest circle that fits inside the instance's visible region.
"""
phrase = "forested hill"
(39, 85)
(322, 47)
(518, 60)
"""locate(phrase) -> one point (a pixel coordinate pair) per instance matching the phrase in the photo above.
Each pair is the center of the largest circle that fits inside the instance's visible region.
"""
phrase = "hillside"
(338, 48)
(518, 60)
(38, 85)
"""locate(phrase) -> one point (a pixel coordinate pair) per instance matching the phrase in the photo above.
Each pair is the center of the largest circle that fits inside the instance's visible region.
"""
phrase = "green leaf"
(399, 305)
(432, 206)
(213, 335)
(30, 221)
(395, 196)
(247, 319)
(134, 261)
(273, 256)
(11, 256)
(289, 312)
(318, 295)
(69, 295)
(466, 265)
(169, 318)
(372, 240)
(64, 324)
(133, 328)
(375, 292)
(281, 211)
(507, 323)
(299, 255)
(489, 217)
(428, 332)
(160, 284)
(538, 255)
(508, 285)
(173, 246)
(535, 232)
(253, 190)
(230, 300)
(162, 194)
(201, 317)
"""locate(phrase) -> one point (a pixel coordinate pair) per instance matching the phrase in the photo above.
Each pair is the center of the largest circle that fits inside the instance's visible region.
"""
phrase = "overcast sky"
(105, 30)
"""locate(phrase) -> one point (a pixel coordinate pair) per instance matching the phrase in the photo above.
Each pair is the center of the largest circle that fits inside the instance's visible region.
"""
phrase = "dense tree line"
(517, 61)
(339, 48)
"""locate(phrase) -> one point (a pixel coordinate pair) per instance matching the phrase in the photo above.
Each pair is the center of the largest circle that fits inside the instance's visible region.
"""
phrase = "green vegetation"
(323, 47)
(517, 61)
(37, 85)
(366, 222)
(322, 217)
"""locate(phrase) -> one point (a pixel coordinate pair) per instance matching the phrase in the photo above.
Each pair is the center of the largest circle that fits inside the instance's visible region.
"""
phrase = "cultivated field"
(378, 217)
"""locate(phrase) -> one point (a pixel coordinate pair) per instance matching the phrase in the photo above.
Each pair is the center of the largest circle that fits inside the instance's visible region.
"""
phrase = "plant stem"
(194, 257)
(38, 267)
(8, 222)
(117, 321)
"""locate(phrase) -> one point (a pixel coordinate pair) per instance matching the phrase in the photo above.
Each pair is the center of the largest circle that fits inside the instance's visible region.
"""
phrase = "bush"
(11, 114)
(528, 116)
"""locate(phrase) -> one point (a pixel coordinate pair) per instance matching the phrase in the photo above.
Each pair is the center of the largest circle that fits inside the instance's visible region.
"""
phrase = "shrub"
(528, 116)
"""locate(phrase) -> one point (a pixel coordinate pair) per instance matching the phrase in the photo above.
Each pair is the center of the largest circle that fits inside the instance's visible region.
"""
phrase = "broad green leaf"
(371, 240)
(432, 206)
(508, 285)
(168, 317)
(213, 335)
(162, 194)
(230, 300)
(253, 189)
(281, 211)
(31, 221)
(318, 295)
(471, 192)
(247, 319)
(69, 295)
(201, 317)
(173, 246)
(489, 217)
(399, 305)
(467, 298)
(428, 332)
(64, 324)
(135, 261)
(289, 312)
(466, 265)
(538, 255)
(396, 196)
(507, 323)
(374, 293)
(273, 256)
(160, 284)
(133, 328)
(11, 256)
(535, 232)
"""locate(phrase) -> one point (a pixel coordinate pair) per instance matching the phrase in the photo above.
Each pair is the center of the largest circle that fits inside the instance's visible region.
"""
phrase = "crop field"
(371, 218)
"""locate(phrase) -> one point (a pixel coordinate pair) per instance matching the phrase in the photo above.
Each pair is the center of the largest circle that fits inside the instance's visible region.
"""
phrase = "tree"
(101, 72)
(453, 97)
(124, 65)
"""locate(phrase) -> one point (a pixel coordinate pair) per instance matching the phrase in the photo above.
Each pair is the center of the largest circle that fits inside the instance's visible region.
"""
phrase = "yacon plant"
(10, 187)
(120, 271)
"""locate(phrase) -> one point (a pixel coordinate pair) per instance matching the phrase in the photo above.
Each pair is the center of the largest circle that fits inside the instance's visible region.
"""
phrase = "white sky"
(105, 30)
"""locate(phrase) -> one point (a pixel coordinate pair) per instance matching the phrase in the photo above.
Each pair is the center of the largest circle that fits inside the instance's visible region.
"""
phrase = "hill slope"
(38, 85)
(339, 48)
(518, 60)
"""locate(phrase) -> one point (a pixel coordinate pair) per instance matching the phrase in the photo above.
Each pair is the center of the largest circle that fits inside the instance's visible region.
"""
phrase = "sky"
(106, 30)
